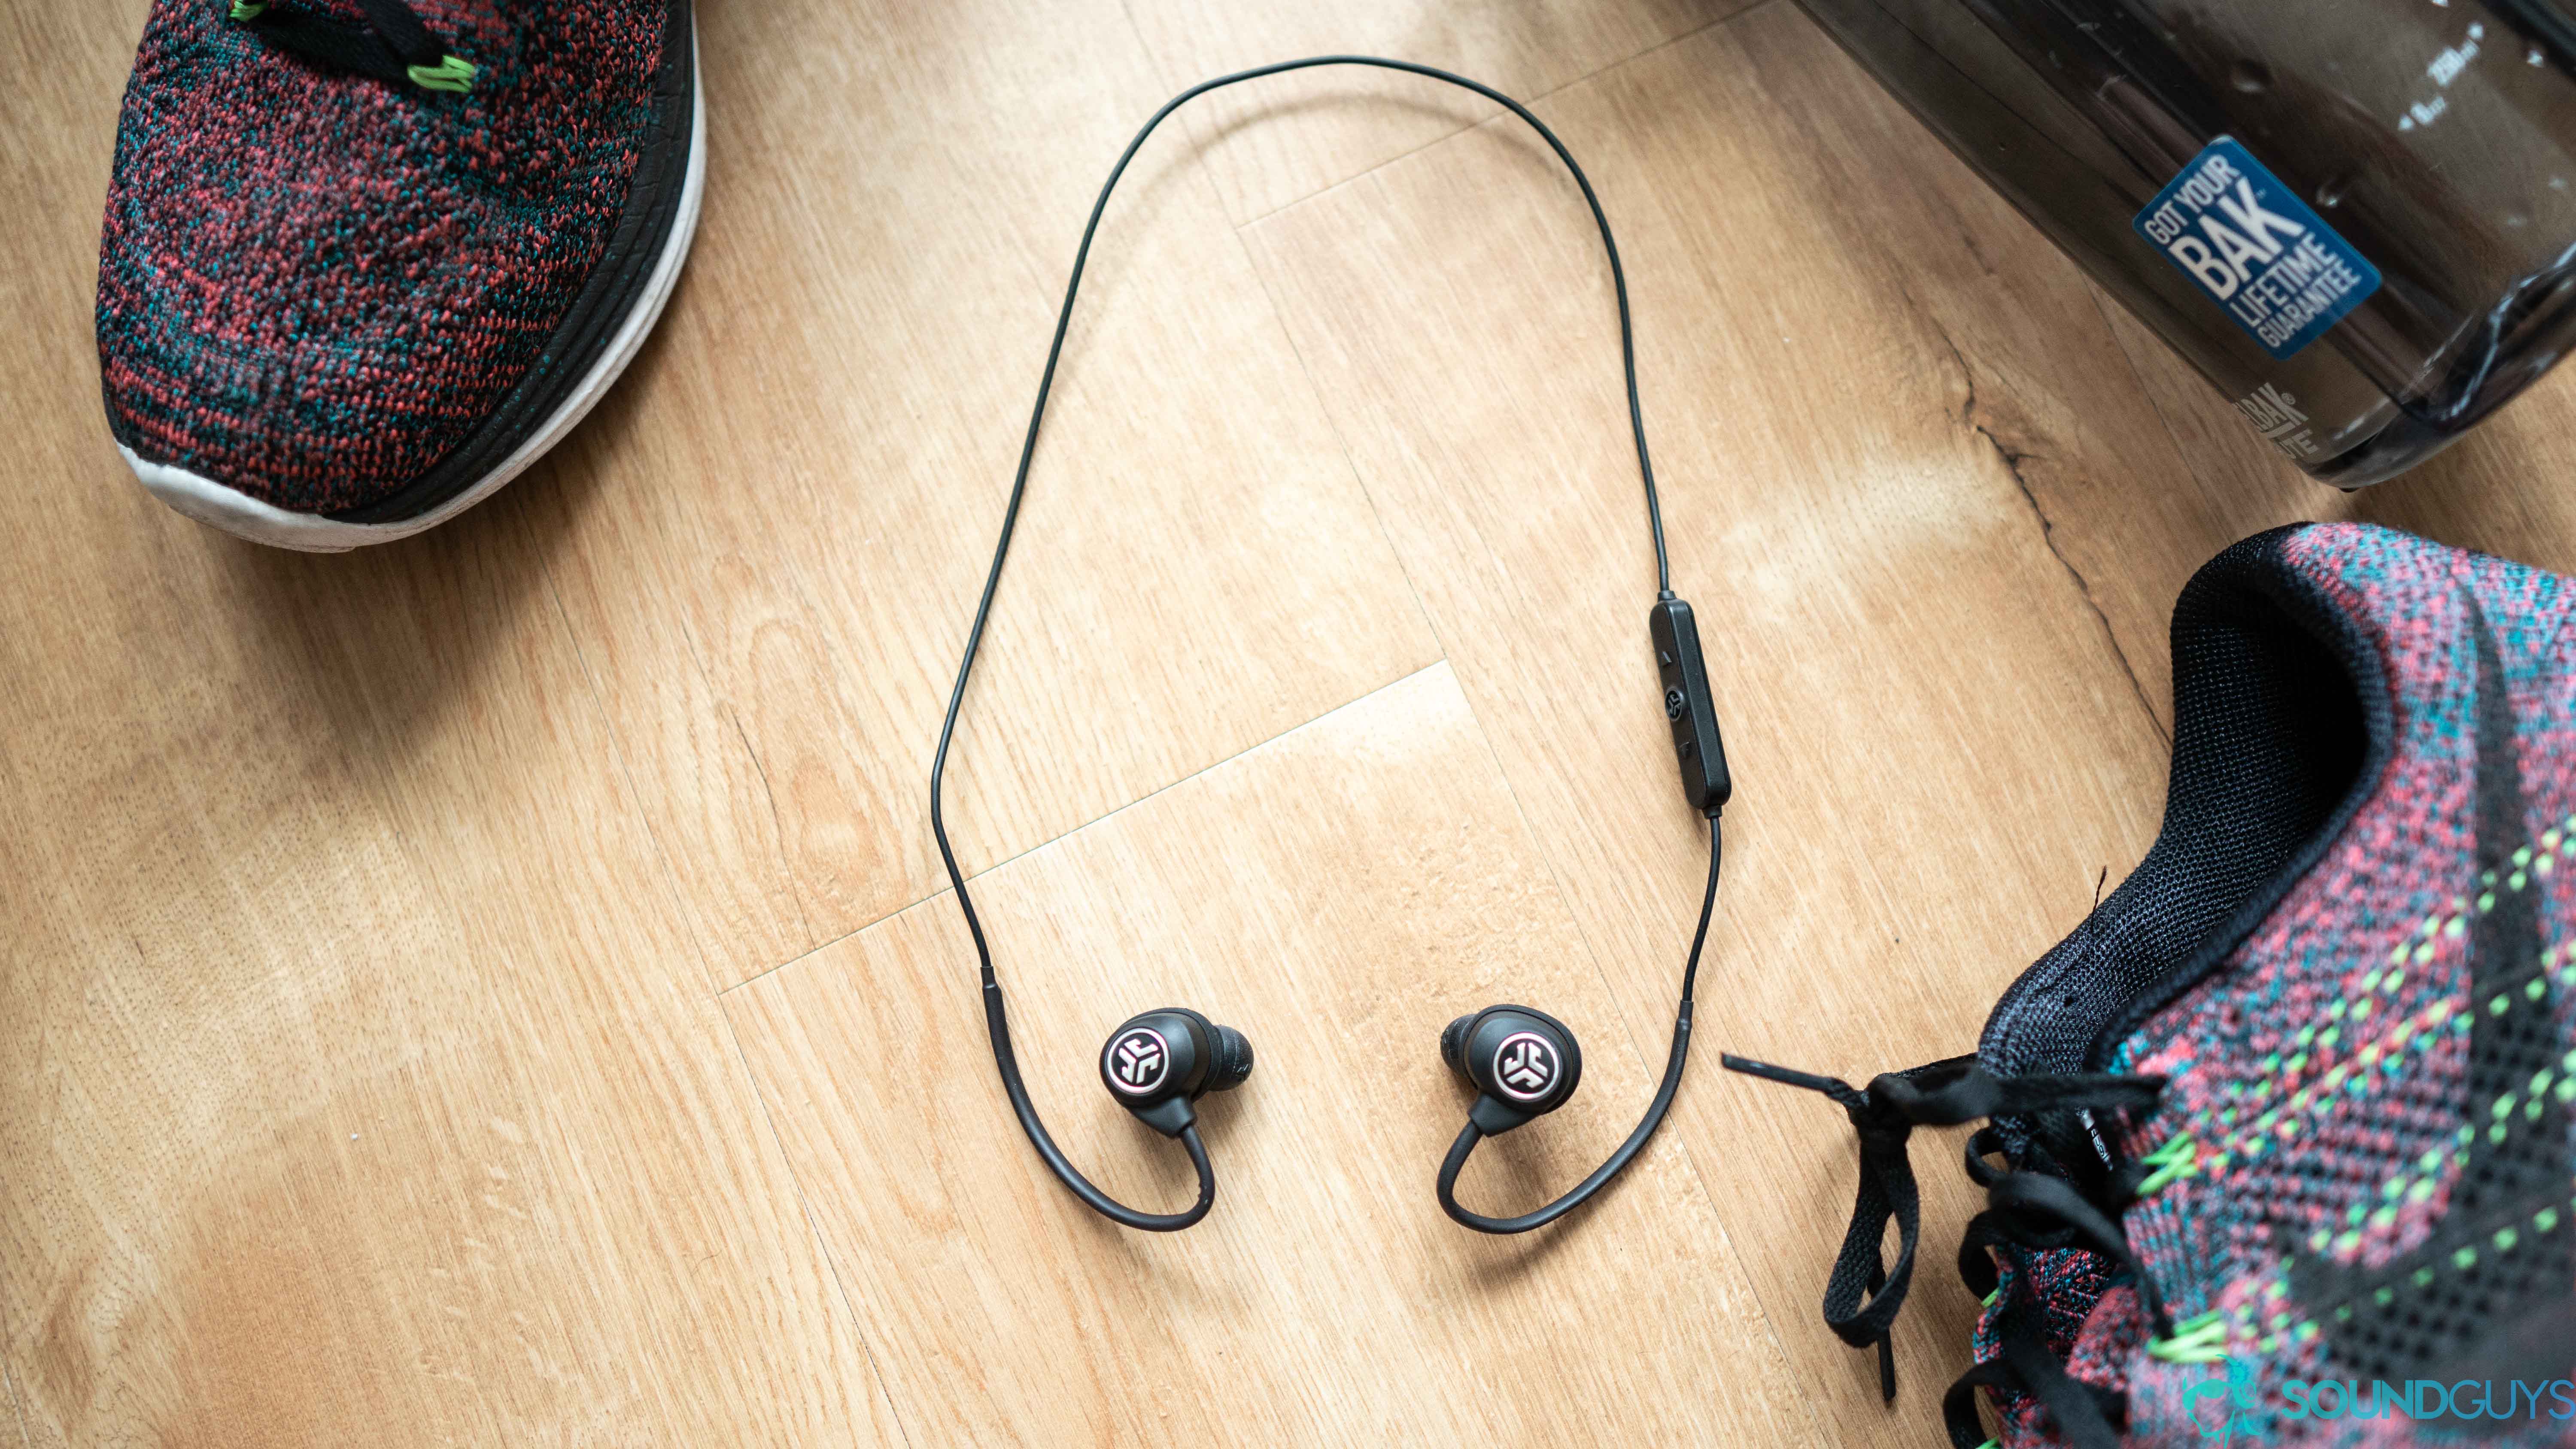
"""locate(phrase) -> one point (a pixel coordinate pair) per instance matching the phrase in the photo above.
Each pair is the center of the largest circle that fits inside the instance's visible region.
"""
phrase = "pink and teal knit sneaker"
(365, 260)
(2282, 1142)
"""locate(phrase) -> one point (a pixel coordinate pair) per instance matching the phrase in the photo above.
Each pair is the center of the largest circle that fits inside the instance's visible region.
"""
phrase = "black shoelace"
(2067, 1195)
(394, 46)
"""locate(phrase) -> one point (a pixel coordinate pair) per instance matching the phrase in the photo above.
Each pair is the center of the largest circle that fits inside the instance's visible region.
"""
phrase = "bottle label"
(2254, 248)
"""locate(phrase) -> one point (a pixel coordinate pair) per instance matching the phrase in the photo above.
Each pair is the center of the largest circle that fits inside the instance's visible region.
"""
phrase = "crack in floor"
(2013, 458)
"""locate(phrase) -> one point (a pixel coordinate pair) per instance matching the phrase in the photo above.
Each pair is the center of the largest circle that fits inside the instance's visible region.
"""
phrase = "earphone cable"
(997, 1024)
(1582, 1191)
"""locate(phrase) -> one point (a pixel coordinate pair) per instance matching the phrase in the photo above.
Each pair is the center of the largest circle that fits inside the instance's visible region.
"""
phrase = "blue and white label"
(2253, 247)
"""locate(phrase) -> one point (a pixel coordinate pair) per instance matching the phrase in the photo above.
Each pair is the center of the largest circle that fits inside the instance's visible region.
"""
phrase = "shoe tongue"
(2280, 717)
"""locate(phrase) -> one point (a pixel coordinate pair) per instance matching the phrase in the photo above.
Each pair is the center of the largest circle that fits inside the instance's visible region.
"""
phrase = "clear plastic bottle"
(2357, 218)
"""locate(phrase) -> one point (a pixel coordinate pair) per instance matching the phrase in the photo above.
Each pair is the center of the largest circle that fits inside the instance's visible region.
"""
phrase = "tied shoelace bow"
(394, 46)
(2026, 1209)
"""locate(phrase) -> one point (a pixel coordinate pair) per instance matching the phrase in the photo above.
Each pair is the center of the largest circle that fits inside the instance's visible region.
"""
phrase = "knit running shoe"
(365, 260)
(2284, 1129)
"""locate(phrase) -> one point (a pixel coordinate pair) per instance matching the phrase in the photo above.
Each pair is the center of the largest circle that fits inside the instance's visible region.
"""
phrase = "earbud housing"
(1159, 1063)
(1522, 1062)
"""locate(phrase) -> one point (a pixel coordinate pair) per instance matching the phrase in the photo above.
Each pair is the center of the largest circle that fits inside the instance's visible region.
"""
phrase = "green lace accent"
(2195, 1340)
(2176, 1159)
(455, 74)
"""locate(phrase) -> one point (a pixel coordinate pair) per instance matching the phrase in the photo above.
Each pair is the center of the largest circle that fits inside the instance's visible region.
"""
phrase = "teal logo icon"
(2226, 1407)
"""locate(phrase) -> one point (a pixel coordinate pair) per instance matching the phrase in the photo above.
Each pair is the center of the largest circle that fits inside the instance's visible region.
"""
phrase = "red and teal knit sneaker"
(2287, 1129)
(365, 260)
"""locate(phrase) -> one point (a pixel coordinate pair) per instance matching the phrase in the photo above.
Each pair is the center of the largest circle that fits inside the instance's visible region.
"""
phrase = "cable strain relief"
(1494, 1117)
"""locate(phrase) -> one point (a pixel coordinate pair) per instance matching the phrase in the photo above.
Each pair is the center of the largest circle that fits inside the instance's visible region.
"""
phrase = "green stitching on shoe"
(2195, 1340)
(454, 74)
(248, 9)
(2389, 1054)
(2171, 1162)
(2465, 1260)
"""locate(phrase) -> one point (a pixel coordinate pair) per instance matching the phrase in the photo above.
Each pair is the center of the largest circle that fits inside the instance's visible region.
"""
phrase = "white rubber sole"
(219, 506)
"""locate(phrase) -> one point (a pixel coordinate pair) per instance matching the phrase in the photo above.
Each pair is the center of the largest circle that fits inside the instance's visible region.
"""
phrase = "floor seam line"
(714, 1003)
(1341, 442)
(750, 1081)
(669, 872)
(1699, 1177)
(813, 1226)
(1531, 100)
(1107, 816)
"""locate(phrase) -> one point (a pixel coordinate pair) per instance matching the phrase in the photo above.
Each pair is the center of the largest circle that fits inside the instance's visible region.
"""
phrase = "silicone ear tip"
(1232, 1064)
(1453, 1042)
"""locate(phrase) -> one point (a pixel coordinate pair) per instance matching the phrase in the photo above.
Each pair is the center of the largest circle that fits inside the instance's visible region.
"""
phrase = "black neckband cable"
(1507, 1100)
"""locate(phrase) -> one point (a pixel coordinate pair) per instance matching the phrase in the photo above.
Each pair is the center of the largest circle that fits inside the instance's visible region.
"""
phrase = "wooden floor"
(498, 988)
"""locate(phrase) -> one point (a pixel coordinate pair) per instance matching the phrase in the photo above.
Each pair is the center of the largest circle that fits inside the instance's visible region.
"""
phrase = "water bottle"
(2356, 218)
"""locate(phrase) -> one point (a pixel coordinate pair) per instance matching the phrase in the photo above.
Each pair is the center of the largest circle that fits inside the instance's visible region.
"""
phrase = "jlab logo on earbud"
(1137, 1061)
(1525, 1066)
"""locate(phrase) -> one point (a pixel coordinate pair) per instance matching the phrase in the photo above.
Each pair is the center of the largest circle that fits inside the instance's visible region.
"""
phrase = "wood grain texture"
(498, 988)
(775, 603)
(358, 1079)
(2494, 490)
(335, 1103)
(1338, 894)
(1936, 751)
(1346, 121)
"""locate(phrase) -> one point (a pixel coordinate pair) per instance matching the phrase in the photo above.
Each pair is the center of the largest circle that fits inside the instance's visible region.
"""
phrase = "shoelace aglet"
(1833, 1087)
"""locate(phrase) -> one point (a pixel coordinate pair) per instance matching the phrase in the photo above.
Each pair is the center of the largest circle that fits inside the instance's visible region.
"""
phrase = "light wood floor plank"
(2495, 490)
(775, 586)
(339, 1104)
(1937, 751)
(9, 1386)
(363, 1072)
(1270, 142)
(358, 1080)
(2038, 373)
(1339, 895)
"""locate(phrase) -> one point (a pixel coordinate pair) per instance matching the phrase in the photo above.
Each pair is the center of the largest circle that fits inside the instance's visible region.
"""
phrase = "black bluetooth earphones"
(1522, 1062)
